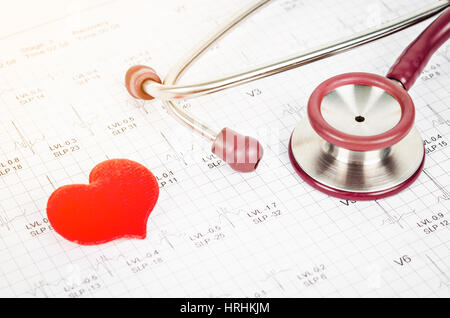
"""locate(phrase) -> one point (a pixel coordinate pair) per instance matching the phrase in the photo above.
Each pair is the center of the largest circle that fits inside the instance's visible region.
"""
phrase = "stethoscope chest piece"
(358, 142)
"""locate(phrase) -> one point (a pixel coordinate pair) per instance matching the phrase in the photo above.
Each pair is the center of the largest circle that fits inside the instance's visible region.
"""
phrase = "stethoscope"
(358, 142)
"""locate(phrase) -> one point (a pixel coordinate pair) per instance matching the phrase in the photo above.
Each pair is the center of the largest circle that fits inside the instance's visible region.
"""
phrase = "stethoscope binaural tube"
(359, 142)
(242, 153)
(143, 82)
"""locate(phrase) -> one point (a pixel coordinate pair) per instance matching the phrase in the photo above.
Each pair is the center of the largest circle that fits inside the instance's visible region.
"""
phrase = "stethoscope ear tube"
(416, 56)
(244, 153)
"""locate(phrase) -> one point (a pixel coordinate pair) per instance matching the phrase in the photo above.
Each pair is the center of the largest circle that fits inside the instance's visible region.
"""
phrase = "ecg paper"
(214, 232)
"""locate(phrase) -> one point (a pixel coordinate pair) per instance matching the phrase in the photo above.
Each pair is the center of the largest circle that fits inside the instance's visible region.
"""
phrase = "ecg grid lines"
(203, 239)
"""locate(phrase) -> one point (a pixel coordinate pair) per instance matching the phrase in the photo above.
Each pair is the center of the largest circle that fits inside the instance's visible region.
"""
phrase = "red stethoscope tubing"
(415, 57)
(405, 70)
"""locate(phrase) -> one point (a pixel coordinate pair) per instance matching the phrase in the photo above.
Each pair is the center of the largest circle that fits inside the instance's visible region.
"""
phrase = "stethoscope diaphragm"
(358, 141)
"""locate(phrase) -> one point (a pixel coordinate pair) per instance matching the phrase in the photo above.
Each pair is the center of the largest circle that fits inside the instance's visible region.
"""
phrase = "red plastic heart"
(115, 204)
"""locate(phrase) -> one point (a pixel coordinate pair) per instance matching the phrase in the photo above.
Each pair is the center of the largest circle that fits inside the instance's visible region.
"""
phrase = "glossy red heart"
(115, 204)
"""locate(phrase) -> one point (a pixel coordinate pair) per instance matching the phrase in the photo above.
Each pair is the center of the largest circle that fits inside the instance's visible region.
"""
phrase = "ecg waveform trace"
(214, 232)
